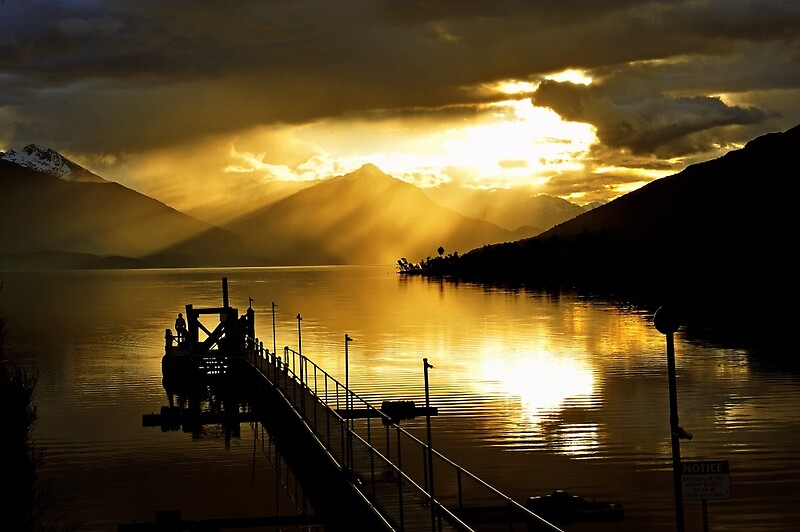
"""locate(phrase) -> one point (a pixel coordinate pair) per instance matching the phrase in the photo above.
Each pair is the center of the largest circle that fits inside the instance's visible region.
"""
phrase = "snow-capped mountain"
(50, 162)
(84, 221)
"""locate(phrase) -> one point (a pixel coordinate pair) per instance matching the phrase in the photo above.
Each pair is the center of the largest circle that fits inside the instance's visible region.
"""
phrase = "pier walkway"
(389, 475)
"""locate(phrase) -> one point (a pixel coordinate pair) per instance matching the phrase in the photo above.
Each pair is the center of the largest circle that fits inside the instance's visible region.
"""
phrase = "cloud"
(681, 105)
(644, 122)
(133, 79)
(198, 66)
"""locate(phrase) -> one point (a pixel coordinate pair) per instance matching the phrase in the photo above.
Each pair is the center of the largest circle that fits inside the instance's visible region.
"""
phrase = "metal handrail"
(324, 448)
(297, 369)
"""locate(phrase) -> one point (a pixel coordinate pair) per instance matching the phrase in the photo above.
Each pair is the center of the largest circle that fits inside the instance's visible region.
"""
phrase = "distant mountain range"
(714, 241)
(365, 217)
(510, 208)
(56, 214)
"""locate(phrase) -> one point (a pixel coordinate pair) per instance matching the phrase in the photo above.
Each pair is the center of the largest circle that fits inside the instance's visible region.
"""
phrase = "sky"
(206, 103)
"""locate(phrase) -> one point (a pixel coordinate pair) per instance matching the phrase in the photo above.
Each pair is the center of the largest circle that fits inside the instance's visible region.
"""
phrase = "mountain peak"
(369, 167)
(50, 162)
(369, 176)
(368, 170)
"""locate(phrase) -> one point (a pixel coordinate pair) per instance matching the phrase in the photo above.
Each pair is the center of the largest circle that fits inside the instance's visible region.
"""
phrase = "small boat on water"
(561, 508)
(557, 508)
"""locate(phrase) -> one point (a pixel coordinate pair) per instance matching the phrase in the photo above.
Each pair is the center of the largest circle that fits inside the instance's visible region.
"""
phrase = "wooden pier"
(359, 470)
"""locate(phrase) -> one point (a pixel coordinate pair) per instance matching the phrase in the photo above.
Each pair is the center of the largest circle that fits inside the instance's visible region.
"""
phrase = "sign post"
(667, 322)
(705, 479)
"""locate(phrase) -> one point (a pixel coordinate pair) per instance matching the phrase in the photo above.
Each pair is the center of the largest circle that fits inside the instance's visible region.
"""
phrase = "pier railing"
(394, 459)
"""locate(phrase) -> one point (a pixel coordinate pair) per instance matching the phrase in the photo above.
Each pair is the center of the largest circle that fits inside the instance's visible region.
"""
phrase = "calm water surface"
(535, 392)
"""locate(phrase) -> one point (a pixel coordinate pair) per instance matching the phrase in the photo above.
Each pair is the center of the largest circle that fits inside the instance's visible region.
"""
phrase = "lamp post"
(425, 367)
(274, 338)
(347, 341)
(299, 337)
(667, 322)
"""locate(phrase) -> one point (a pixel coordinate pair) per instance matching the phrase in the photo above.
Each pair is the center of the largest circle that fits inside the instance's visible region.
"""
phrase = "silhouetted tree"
(440, 251)
(23, 500)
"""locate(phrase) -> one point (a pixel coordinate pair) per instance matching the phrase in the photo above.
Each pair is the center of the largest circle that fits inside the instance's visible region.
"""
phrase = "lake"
(536, 392)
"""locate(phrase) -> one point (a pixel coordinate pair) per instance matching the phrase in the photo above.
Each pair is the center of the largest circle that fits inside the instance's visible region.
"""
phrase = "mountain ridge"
(714, 241)
(50, 215)
(40, 213)
(372, 218)
(509, 208)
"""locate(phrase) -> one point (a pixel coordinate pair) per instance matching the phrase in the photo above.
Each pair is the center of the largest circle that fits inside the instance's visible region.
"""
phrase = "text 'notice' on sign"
(705, 480)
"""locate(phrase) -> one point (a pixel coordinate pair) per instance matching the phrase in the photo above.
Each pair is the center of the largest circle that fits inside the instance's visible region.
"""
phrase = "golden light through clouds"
(638, 177)
(571, 75)
(567, 104)
(501, 144)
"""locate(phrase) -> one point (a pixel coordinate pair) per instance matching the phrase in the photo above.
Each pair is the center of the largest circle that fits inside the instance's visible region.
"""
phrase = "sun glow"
(500, 144)
(247, 162)
(519, 144)
(543, 381)
(622, 170)
(515, 87)
(571, 75)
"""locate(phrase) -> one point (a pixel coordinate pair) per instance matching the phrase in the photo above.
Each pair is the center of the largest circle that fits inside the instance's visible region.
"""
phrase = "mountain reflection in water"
(536, 392)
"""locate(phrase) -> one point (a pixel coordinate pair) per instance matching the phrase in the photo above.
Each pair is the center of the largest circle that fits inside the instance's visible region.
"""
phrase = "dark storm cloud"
(643, 121)
(653, 107)
(122, 76)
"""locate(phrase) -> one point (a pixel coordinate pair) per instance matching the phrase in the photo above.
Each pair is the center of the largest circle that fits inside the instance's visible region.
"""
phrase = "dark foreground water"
(535, 392)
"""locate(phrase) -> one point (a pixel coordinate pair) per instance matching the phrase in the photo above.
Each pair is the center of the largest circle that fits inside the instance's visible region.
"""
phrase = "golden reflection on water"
(542, 381)
(544, 384)
(530, 371)
(576, 389)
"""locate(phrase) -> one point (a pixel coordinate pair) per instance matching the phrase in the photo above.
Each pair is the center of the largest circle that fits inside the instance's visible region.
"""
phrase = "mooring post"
(666, 322)
(225, 292)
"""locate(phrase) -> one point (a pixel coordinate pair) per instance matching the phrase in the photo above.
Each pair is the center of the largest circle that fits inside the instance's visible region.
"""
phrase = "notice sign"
(705, 480)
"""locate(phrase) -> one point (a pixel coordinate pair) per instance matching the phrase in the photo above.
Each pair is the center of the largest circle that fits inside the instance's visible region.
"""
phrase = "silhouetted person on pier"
(180, 328)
